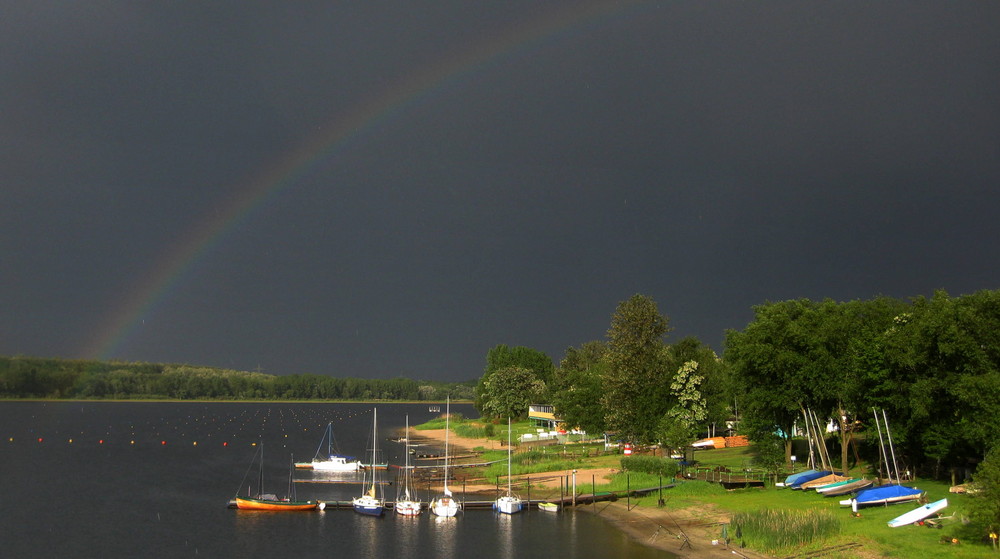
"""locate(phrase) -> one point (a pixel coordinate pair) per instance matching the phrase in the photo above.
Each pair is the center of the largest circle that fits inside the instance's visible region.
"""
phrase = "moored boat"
(405, 504)
(269, 501)
(332, 461)
(445, 504)
(368, 503)
(509, 503)
(548, 507)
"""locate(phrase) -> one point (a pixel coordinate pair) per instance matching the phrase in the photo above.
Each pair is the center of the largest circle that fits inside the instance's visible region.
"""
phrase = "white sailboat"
(445, 504)
(368, 503)
(405, 505)
(509, 503)
(332, 461)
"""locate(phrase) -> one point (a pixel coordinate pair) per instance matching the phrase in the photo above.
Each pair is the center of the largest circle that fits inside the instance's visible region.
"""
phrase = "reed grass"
(774, 530)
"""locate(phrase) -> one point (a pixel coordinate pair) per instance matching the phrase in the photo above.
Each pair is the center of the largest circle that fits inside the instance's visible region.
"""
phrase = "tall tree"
(715, 386)
(679, 425)
(576, 390)
(509, 391)
(503, 357)
(768, 361)
(636, 382)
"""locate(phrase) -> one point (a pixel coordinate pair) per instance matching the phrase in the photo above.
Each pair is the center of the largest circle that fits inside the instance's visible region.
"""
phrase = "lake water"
(159, 483)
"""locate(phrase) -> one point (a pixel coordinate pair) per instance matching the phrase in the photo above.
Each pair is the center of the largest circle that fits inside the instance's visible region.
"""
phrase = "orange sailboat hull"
(244, 503)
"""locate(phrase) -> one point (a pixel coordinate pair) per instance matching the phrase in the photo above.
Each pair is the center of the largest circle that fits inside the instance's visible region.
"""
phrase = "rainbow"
(171, 267)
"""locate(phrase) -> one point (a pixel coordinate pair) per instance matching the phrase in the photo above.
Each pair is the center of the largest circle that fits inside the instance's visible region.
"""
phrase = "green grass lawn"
(869, 529)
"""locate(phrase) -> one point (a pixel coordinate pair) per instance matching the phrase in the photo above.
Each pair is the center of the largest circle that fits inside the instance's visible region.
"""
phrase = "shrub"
(650, 465)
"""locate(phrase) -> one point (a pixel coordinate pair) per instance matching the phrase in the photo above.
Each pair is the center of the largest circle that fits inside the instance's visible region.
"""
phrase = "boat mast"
(406, 470)
(888, 436)
(374, 444)
(509, 488)
(881, 446)
(260, 480)
(447, 428)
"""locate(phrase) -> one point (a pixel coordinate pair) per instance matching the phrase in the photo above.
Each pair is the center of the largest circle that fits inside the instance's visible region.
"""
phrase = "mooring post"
(574, 488)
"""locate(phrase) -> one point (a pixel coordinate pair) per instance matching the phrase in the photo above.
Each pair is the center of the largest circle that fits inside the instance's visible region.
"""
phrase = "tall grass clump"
(470, 430)
(650, 465)
(773, 530)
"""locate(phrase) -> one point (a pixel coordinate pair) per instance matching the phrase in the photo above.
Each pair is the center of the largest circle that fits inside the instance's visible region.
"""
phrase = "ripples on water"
(153, 480)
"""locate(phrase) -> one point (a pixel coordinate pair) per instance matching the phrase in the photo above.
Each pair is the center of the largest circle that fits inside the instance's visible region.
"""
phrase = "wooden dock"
(563, 502)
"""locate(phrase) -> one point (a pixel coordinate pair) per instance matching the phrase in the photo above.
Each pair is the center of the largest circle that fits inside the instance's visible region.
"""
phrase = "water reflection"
(505, 534)
(445, 530)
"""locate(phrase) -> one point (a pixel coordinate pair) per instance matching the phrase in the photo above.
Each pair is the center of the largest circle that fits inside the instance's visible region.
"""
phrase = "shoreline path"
(687, 533)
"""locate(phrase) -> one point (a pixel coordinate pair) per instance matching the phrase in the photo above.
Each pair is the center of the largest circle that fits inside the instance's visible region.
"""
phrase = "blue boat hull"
(370, 511)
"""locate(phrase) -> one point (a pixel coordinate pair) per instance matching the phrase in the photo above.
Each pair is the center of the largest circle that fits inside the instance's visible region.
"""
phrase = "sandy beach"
(687, 532)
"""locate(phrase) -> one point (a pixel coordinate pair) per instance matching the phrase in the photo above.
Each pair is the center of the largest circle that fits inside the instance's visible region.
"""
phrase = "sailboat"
(331, 462)
(445, 504)
(891, 492)
(405, 505)
(368, 503)
(509, 503)
(268, 501)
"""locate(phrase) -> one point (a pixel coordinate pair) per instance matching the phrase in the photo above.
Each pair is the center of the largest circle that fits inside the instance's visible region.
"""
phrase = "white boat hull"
(408, 508)
(445, 506)
(508, 504)
(918, 514)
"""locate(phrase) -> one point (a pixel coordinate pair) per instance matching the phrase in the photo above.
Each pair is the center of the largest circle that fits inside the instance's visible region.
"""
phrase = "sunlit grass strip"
(771, 530)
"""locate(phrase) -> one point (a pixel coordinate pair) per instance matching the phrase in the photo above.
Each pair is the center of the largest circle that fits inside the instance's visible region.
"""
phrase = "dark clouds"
(711, 155)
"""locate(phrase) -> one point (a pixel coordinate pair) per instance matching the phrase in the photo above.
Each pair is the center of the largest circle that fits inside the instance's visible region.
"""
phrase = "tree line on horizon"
(35, 377)
(931, 365)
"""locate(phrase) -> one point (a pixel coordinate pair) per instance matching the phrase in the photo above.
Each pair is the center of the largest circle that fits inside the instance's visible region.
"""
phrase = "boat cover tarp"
(791, 479)
(803, 479)
(883, 492)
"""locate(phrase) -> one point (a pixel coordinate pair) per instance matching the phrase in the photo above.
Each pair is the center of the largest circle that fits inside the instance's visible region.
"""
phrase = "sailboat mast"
(888, 436)
(881, 446)
(374, 444)
(509, 488)
(447, 428)
(406, 462)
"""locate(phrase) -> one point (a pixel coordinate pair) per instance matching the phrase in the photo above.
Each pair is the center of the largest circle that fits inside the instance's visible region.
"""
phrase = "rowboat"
(548, 507)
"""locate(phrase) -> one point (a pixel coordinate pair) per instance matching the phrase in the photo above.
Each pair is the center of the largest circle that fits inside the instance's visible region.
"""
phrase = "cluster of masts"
(370, 503)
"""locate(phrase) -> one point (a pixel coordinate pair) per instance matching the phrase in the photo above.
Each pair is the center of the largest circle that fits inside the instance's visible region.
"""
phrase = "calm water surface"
(159, 484)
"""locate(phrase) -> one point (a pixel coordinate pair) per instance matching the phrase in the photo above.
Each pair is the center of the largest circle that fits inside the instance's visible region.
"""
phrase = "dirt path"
(687, 533)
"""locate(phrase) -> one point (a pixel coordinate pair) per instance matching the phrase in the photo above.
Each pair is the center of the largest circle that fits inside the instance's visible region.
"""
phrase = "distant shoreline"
(207, 401)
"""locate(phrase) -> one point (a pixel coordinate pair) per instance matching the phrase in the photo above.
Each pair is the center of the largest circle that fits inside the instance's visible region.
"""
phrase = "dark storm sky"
(508, 172)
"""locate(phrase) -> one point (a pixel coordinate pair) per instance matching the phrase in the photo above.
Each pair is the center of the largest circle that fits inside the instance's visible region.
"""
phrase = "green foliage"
(986, 498)
(503, 358)
(769, 454)
(508, 392)
(636, 393)
(577, 389)
(31, 377)
(650, 465)
(775, 530)
(677, 428)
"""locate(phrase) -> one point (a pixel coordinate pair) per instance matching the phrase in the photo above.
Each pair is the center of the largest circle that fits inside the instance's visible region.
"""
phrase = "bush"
(650, 465)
